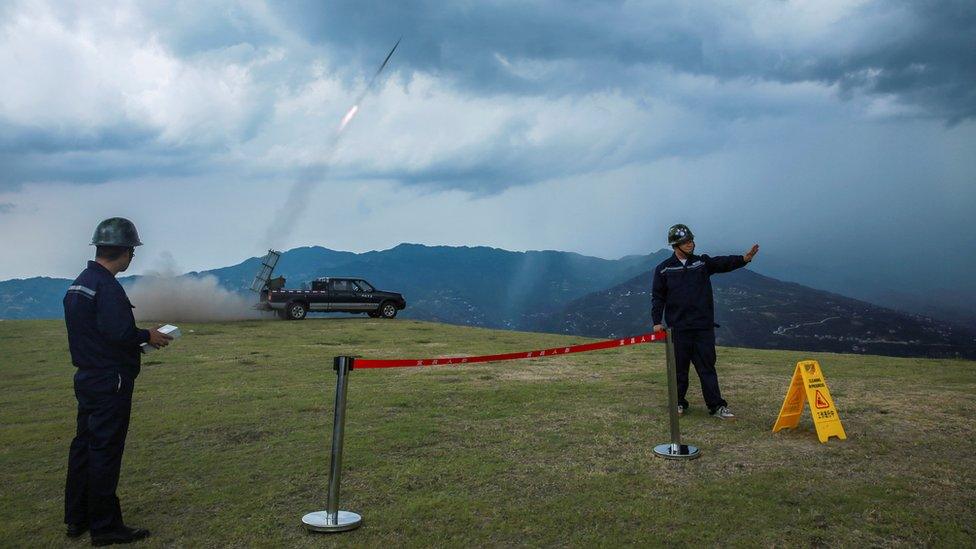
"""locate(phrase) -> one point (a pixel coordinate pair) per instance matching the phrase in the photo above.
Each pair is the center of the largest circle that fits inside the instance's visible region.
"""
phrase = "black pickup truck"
(331, 295)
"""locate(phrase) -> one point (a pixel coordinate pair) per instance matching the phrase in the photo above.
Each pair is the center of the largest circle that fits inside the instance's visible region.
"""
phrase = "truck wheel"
(296, 310)
(388, 309)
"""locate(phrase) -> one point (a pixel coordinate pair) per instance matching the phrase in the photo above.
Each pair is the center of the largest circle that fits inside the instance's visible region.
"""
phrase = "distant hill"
(761, 312)
(38, 297)
(570, 293)
(476, 286)
(951, 302)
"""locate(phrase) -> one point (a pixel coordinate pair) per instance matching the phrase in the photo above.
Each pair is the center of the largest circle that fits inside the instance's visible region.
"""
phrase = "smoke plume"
(298, 197)
(283, 223)
(165, 296)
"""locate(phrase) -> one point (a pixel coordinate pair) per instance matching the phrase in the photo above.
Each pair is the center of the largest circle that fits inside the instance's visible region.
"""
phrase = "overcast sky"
(834, 133)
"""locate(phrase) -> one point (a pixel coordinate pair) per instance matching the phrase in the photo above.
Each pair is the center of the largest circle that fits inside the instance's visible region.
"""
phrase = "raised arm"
(726, 263)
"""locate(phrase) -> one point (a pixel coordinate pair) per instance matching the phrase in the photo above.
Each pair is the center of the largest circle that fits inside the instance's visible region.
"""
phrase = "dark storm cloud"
(19, 139)
(462, 39)
(921, 52)
(931, 64)
(101, 166)
(494, 167)
(81, 155)
(199, 27)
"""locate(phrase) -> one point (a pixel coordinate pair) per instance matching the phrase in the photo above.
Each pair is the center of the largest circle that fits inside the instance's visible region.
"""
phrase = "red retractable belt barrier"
(454, 361)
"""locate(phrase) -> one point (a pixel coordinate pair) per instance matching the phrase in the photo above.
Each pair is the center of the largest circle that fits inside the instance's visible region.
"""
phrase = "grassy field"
(231, 428)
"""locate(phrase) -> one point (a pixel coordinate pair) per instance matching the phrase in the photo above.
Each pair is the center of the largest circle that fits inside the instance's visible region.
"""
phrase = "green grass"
(232, 424)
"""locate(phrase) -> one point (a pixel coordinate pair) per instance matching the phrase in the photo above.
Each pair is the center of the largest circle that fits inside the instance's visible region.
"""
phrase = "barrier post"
(332, 519)
(674, 450)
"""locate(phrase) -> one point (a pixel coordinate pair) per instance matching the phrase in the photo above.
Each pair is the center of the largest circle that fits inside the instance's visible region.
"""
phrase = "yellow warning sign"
(810, 385)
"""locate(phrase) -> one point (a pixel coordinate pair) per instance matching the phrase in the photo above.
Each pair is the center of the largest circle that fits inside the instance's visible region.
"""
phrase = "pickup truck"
(331, 295)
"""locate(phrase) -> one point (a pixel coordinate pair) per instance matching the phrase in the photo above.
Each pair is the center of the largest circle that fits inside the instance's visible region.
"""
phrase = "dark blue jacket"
(102, 332)
(683, 293)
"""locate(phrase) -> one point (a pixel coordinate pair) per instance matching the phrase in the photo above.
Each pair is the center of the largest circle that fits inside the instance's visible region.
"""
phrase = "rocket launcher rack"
(268, 264)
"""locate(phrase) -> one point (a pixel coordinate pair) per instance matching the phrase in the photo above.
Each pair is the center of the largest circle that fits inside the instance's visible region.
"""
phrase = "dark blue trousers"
(697, 347)
(95, 458)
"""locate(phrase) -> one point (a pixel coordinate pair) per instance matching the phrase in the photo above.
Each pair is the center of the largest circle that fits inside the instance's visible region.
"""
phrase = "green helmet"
(679, 234)
(116, 231)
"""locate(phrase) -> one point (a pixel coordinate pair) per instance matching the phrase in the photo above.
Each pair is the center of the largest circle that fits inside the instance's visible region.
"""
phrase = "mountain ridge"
(566, 292)
(757, 311)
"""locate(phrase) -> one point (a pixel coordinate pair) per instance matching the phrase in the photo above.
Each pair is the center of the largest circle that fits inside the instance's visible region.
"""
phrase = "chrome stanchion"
(332, 519)
(674, 450)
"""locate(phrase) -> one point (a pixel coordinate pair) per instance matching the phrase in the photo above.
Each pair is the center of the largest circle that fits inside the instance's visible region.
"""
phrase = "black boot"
(75, 530)
(122, 535)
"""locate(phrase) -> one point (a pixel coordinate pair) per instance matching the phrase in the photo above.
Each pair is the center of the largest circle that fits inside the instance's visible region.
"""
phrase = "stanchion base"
(320, 521)
(677, 451)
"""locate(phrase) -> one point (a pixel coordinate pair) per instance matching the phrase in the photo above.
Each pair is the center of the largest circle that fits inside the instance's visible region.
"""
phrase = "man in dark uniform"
(105, 347)
(682, 294)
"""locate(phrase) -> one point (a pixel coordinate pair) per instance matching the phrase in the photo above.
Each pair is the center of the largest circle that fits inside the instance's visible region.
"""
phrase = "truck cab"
(333, 295)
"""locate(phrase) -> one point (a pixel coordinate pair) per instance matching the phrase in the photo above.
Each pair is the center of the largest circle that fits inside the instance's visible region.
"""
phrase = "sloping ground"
(230, 435)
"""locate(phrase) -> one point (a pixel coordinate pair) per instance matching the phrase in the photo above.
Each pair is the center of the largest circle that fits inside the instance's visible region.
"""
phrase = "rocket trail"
(351, 113)
(297, 200)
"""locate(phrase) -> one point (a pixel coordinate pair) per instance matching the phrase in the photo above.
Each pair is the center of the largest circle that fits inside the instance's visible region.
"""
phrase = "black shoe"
(122, 535)
(75, 530)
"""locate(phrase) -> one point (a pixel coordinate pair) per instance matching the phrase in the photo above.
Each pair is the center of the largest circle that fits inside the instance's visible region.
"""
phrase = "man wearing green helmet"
(105, 348)
(682, 294)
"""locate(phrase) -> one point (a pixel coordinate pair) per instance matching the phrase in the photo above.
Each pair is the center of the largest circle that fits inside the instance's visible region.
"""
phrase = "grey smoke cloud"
(165, 296)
